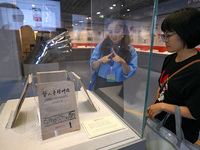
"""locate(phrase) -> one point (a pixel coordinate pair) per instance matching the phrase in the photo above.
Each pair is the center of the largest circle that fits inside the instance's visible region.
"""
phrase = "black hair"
(186, 23)
(124, 48)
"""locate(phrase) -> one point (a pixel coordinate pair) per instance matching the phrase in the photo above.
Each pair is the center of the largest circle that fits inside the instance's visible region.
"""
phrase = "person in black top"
(181, 36)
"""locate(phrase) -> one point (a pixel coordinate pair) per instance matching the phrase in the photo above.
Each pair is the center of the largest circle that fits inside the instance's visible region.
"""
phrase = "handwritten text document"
(58, 108)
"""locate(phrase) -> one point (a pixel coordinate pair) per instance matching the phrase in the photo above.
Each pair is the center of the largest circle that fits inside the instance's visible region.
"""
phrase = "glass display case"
(52, 35)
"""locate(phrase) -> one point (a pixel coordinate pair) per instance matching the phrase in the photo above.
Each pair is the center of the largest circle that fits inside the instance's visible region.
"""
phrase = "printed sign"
(101, 126)
(58, 108)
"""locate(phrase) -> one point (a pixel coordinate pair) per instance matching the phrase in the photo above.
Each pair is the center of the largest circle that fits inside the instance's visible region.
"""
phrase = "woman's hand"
(106, 58)
(154, 110)
(120, 60)
(117, 58)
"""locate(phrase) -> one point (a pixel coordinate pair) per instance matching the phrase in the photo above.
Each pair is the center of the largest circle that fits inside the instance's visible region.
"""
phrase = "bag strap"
(162, 122)
(178, 121)
(187, 65)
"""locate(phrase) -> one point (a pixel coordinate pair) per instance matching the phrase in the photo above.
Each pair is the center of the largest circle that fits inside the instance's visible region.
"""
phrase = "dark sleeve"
(193, 103)
(192, 99)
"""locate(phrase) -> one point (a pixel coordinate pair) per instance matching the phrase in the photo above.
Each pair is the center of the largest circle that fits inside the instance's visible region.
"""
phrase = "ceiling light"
(111, 7)
(128, 9)
(98, 12)
(114, 5)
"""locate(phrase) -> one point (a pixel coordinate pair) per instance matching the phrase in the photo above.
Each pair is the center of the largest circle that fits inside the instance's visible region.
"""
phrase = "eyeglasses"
(114, 31)
(165, 37)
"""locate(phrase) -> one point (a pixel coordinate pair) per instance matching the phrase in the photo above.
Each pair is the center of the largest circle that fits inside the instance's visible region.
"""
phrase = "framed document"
(58, 107)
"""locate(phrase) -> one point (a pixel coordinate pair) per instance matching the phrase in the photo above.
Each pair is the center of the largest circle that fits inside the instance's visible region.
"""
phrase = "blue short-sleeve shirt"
(119, 75)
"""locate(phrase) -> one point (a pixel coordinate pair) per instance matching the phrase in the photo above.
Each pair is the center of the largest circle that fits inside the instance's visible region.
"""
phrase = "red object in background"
(142, 47)
(159, 35)
(84, 44)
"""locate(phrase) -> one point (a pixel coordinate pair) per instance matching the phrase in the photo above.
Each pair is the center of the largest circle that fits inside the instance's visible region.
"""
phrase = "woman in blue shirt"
(114, 59)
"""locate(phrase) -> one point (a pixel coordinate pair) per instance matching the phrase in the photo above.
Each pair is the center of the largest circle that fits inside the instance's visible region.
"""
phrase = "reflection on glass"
(114, 60)
(87, 29)
(11, 16)
(137, 18)
(40, 15)
(44, 16)
(11, 19)
(50, 50)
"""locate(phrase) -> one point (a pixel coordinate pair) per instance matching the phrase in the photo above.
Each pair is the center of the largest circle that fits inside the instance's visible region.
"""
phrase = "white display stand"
(27, 134)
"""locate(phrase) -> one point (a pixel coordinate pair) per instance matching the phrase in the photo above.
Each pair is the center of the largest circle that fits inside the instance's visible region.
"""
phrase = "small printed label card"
(102, 125)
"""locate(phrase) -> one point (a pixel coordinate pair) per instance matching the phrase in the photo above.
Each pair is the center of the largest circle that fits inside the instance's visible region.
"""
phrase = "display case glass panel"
(52, 35)
(137, 18)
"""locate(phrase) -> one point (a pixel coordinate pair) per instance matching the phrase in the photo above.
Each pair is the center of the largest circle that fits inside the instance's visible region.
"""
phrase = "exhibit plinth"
(27, 133)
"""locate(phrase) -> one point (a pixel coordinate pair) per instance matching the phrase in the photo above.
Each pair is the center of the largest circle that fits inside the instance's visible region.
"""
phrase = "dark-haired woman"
(181, 35)
(114, 59)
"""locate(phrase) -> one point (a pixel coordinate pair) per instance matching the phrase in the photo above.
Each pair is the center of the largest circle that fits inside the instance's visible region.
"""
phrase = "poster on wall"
(39, 15)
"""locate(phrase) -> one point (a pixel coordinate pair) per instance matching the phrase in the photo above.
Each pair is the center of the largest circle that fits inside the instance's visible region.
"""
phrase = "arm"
(96, 64)
(156, 97)
(125, 67)
(157, 108)
(105, 59)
